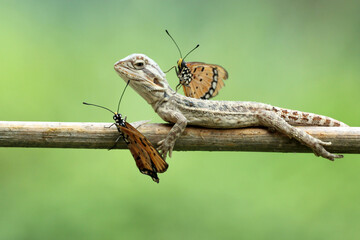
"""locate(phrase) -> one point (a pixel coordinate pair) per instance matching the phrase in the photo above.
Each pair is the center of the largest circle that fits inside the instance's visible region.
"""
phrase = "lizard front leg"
(274, 121)
(166, 145)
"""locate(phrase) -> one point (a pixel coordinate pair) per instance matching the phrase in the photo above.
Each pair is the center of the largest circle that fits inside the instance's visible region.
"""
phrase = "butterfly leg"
(109, 126)
(170, 69)
(166, 145)
(177, 87)
(116, 141)
(274, 121)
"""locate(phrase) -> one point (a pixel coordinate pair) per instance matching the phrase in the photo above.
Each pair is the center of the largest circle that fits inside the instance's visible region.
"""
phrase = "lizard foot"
(165, 147)
(319, 150)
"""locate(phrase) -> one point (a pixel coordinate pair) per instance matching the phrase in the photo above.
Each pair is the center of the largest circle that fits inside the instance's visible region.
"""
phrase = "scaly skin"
(147, 79)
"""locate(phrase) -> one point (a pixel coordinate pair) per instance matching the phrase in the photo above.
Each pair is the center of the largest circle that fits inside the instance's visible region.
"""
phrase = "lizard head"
(143, 73)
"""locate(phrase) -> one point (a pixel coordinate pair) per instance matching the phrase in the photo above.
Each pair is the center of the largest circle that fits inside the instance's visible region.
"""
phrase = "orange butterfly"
(199, 80)
(147, 158)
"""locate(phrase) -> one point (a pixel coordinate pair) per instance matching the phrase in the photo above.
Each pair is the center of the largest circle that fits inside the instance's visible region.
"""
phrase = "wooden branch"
(96, 135)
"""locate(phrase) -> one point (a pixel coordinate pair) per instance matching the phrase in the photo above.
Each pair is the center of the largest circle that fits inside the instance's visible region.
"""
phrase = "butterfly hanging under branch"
(147, 158)
(198, 79)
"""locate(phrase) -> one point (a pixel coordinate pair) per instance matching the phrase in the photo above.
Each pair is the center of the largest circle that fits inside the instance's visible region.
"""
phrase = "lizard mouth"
(124, 72)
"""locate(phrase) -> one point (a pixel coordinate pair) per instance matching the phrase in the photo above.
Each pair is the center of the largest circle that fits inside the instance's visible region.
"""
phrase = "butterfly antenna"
(174, 42)
(191, 51)
(98, 106)
(122, 96)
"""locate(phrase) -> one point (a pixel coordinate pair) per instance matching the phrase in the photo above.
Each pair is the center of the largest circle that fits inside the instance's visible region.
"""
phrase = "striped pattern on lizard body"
(237, 114)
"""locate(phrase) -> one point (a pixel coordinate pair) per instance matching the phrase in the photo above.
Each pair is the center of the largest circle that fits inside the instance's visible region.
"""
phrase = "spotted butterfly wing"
(201, 80)
(147, 158)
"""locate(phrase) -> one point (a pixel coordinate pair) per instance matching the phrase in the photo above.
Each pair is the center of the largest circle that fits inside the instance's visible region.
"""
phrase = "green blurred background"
(303, 55)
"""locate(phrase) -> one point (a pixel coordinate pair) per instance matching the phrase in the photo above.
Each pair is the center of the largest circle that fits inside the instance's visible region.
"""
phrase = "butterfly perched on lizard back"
(198, 79)
(147, 158)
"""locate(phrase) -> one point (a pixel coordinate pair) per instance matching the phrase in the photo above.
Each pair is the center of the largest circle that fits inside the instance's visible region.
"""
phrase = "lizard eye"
(139, 64)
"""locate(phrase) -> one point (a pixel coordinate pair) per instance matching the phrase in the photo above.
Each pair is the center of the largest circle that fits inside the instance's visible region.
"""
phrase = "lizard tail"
(299, 118)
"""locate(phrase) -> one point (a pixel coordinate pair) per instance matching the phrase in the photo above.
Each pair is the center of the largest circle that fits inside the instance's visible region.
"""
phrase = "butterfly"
(198, 79)
(147, 158)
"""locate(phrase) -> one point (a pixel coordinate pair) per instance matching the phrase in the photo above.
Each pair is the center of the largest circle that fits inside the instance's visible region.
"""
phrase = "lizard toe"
(170, 152)
(162, 152)
(160, 142)
(319, 150)
(163, 148)
(324, 143)
(164, 155)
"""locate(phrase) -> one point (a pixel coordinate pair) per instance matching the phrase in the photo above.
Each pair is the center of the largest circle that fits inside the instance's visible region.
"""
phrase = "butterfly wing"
(147, 158)
(207, 80)
(143, 161)
(160, 164)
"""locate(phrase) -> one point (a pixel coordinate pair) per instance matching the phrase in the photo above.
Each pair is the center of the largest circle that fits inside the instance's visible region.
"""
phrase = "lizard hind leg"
(274, 121)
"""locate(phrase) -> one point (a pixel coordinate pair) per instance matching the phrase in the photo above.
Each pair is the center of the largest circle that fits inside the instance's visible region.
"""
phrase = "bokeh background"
(303, 55)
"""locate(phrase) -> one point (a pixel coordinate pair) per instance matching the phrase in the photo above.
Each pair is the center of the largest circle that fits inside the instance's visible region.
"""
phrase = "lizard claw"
(165, 148)
(162, 149)
(319, 150)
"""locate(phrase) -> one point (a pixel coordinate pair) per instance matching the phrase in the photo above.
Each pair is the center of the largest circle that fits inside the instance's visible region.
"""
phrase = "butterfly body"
(200, 80)
(147, 158)
(184, 73)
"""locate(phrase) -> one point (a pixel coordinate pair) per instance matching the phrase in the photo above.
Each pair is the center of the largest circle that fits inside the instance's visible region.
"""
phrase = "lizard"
(149, 81)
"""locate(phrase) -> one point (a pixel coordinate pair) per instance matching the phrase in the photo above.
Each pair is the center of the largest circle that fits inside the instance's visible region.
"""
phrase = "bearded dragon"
(148, 80)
